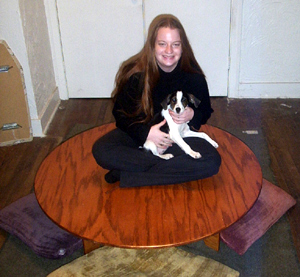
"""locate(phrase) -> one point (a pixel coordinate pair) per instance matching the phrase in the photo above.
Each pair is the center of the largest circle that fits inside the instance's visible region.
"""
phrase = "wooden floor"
(279, 120)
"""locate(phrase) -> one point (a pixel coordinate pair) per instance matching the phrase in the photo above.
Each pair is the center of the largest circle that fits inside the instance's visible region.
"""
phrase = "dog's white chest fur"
(174, 127)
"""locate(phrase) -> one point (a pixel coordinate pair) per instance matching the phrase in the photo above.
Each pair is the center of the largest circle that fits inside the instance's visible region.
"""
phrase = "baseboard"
(40, 125)
(266, 90)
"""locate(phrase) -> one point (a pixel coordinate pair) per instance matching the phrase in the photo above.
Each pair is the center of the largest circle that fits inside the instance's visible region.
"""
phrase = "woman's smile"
(168, 48)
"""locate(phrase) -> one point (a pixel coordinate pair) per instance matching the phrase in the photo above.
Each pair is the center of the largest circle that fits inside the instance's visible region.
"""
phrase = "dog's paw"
(214, 144)
(195, 155)
(166, 156)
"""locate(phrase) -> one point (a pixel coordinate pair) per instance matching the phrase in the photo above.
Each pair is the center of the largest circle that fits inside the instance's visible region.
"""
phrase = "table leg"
(90, 245)
(213, 241)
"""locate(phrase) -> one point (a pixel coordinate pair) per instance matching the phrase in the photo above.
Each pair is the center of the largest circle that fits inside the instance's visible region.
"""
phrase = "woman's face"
(167, 48)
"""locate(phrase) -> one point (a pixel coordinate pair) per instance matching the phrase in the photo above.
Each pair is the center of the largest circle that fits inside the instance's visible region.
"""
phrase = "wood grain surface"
(71, 189)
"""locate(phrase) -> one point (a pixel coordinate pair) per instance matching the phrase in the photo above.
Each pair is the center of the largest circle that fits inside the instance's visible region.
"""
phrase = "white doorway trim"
(56, 48)
(235, 47)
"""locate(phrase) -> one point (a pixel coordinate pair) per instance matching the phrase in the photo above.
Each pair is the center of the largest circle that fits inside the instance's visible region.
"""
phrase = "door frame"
(56, 48)
(234, 48)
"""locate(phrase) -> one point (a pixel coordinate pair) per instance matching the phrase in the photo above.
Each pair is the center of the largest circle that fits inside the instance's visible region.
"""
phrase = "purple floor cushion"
(26, 220)
(272, 203)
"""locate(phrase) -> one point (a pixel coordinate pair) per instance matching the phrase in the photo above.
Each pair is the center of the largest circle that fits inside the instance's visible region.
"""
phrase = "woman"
(165, 64)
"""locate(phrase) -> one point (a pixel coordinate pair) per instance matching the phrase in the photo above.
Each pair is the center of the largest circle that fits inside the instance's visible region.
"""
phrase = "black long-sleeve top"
(177, 80)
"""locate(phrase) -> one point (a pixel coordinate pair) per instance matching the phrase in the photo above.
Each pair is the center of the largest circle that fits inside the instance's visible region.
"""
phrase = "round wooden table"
(71, 189)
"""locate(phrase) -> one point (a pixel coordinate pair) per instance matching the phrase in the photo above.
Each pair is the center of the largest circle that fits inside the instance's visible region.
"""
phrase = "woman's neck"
(169, 75)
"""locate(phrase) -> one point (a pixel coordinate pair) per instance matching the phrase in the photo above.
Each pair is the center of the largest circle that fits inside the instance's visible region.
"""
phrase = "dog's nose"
(178, 110)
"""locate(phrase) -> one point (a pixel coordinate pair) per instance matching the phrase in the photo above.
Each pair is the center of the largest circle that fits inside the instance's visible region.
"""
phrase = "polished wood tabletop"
(71, 190)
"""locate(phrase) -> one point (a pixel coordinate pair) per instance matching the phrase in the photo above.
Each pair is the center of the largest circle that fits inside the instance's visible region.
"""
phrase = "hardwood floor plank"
(282, 133)
(292, 188)
(3, 236)
(108, 117)
(19, 167)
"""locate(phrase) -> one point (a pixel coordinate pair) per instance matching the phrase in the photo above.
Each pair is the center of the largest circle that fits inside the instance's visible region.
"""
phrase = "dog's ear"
(194, 100)
(166, 102)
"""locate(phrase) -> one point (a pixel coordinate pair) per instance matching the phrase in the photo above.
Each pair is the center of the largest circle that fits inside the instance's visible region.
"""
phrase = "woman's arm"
(125, 107)
(203, 112)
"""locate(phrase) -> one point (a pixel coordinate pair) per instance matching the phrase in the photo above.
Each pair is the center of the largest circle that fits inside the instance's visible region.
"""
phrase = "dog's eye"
(184, 100)
(173, 100)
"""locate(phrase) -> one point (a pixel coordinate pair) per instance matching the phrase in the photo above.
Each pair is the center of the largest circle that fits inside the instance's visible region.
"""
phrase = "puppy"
(177, 102)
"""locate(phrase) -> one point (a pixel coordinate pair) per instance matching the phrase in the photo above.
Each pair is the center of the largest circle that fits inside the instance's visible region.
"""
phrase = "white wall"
(23, 26)
(92, 55)
(207, 25)
(265, 56)
(95, 39)
(264, 40)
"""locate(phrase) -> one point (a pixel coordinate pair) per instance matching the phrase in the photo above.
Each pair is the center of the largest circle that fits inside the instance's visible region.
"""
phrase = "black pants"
(116, 150)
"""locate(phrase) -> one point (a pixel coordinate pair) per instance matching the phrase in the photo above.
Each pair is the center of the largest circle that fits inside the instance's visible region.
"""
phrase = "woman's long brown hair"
(145, 62)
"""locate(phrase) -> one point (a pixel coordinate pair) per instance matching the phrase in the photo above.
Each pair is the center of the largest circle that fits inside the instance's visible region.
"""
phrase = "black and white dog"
(177, 102)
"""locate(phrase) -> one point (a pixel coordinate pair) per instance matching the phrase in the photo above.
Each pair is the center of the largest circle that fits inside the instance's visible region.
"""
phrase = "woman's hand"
(160, 139)
(184, 117)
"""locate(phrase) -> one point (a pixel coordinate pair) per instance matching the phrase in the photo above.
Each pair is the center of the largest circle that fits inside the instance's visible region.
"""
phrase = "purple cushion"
(272, 203)
(26, 220)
